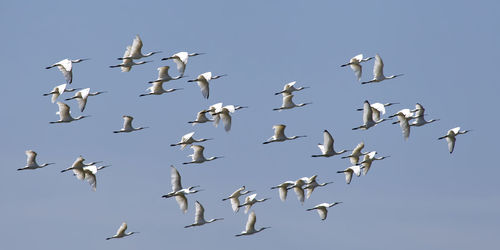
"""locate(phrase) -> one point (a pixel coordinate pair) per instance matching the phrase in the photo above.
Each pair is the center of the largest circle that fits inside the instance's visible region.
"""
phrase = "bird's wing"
(379, 107)
(31, 157)
(322, 212)
(186, 137)
(200, 213)
(127, 122)
(279, 131)
(175, 179)
(206, 75)
(451, 143)
(136, 46)
(358, 70)
(79, 173)
(348, 176)
(356, 169)
(367, 112)
(205, 88)
(358, 148)
(300, 193)
(235, 203)
(66, 66)
(251, 222)
(378, 68)
(454, 130)
(289, 85)
(250, 197)
(403, 122)
(90, 177)
(182, 201)
(122, 229)
(63, 110)
(181, 60)
(226, 119)
(283, 193)
(327, 141)
(82, 102)
(287, 101)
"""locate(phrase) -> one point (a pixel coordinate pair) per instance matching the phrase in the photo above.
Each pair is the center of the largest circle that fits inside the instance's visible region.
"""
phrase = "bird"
(451, 137)
(289, 88)
(419, 116)
(356, 169)
(65, 114)
(298, 188)
(82, 96)
(368, 121)
(198, 157)
(250, 201)
(283, 189)
(279, 135)
(203, 82)
(378, 71)
(322, 209)
(223, 113)
(213, 109)
(355, 64)
(234, 198)
(163, 75)
(188, 139)
(368, 160)
(404, 124)
(289, 104)
(406, 112)
(135, 51)
(127, 125)
(378, 108)
(181, 59)
(201, 117)
(31, 163)
(66, 68)
(313, 184)
(90, 174)
(121, 232)
(326, 148)
(127, 63)
(157, 89)
(177, 191)
(59, 90)
(199, 218)
(78, 166)
(250, 227)
(356, 153)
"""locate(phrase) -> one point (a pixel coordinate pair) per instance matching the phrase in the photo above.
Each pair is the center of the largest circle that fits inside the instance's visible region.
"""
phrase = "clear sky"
(420, 198)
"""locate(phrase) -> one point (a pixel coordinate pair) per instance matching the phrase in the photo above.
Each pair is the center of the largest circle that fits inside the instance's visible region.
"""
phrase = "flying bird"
(356, 169)
(203, 82)
(163, 75)
(403, 121)
(177, 191)
(66, 68)
(78, 166)
(378, 71)
(368, 121)
(181, 59)
(250, 227)
(313, 184)
(419, 116)
(289, 104)
(283, 189)
(234, 198)
(157, 89)
(121, 232)
(127, 63)
(198, 157)
(298, 188)
(326, 148)
(201, 117)
(322, 209)
(65, 115)
(279, 135)
(59, 90)
(90, 174)
(378, 109)
(368, 160)
(199, 218)
(289, 88)
(82, 96)
(188, 139)
(31, 163)
(355, 64)
(451, 137)
(127, 125)
(356, 153)
(135, 51)
(250, 201)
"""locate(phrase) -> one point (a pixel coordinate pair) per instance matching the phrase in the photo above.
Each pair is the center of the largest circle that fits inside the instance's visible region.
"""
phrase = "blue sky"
(420, 198)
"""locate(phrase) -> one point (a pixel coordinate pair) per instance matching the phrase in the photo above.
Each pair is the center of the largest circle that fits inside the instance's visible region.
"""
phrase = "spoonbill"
(135, 51)
(279, 135)
(322, 209)
(368, 160)
(283, 189)
(31, 163)
(199, 218)
(419, 116)
(355, 64)
(188, 139)
(234, 198)
(163, 75)
(223, 113)
(127, 63)
(121, 232)
(378, 71)
(198, 157)
(298, 188)
(203, 82)
(90, 172)
(58, 90)
(326, 148)
(250, 227)
(82, 96)
(313, 184)
(289, 88)
(65, 115)
(66, 68)
(78, 166)
(127, 125)
(250, 201)
(157, 89)
(356, 169)
(177, 191)
(404, 124)
(368, 121)
(181, 59)
(289, 104)
(356, 153)
(201, 117)
(451, 137)
(378, 108)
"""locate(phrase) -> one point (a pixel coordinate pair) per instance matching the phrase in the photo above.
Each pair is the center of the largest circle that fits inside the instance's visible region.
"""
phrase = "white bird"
(90, 174)
(289, 88)
(403, 121)
(31, 161)
(283, 189)
(177, 191)
(203, 82)
(201, 117)
(58, 90)
(163, 75)
(127, 63)
(279, 135)
(234, 198)
(298, 188)
(65, 114)
(378, 71)
(356, 169)
(157, 89)
(181, 59)
(135, 51)
(368, 121)
(213, 109)
(450, 137)
(199, 218)
(223, 113)
(356, 153)
(250, 201)
(419, 116)
(322, 209)
(326, 148)
(78, 166)
(82, 96)
(355, 64)
(127, 125)
(121, 232)
(378, 108)
(289, 104)
(66, 68)
(368, 160)
(188, 139)
(250, 227)
(198, 157)
(313, 184)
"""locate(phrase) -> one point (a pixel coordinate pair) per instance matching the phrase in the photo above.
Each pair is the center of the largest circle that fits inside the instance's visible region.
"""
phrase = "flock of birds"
(303, 187)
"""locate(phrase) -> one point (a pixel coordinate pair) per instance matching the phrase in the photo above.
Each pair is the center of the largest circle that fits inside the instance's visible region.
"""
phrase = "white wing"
(122, 229)
(181, 60)
(358, 69)
(65, 66)
(182, 201)
(200, 213)
(283, 193)
(300, 193)
(175, 179)
(378, 68)
(367, 112)
(63, 111)
(205, 88)
(31, 160)
(226, 119)
(451, 143)
(322, 212)
(235, 203)
(250, 227)
(136, 47)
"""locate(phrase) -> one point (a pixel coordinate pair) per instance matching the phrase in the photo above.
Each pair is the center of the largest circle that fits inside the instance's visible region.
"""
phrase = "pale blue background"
(420, 198)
